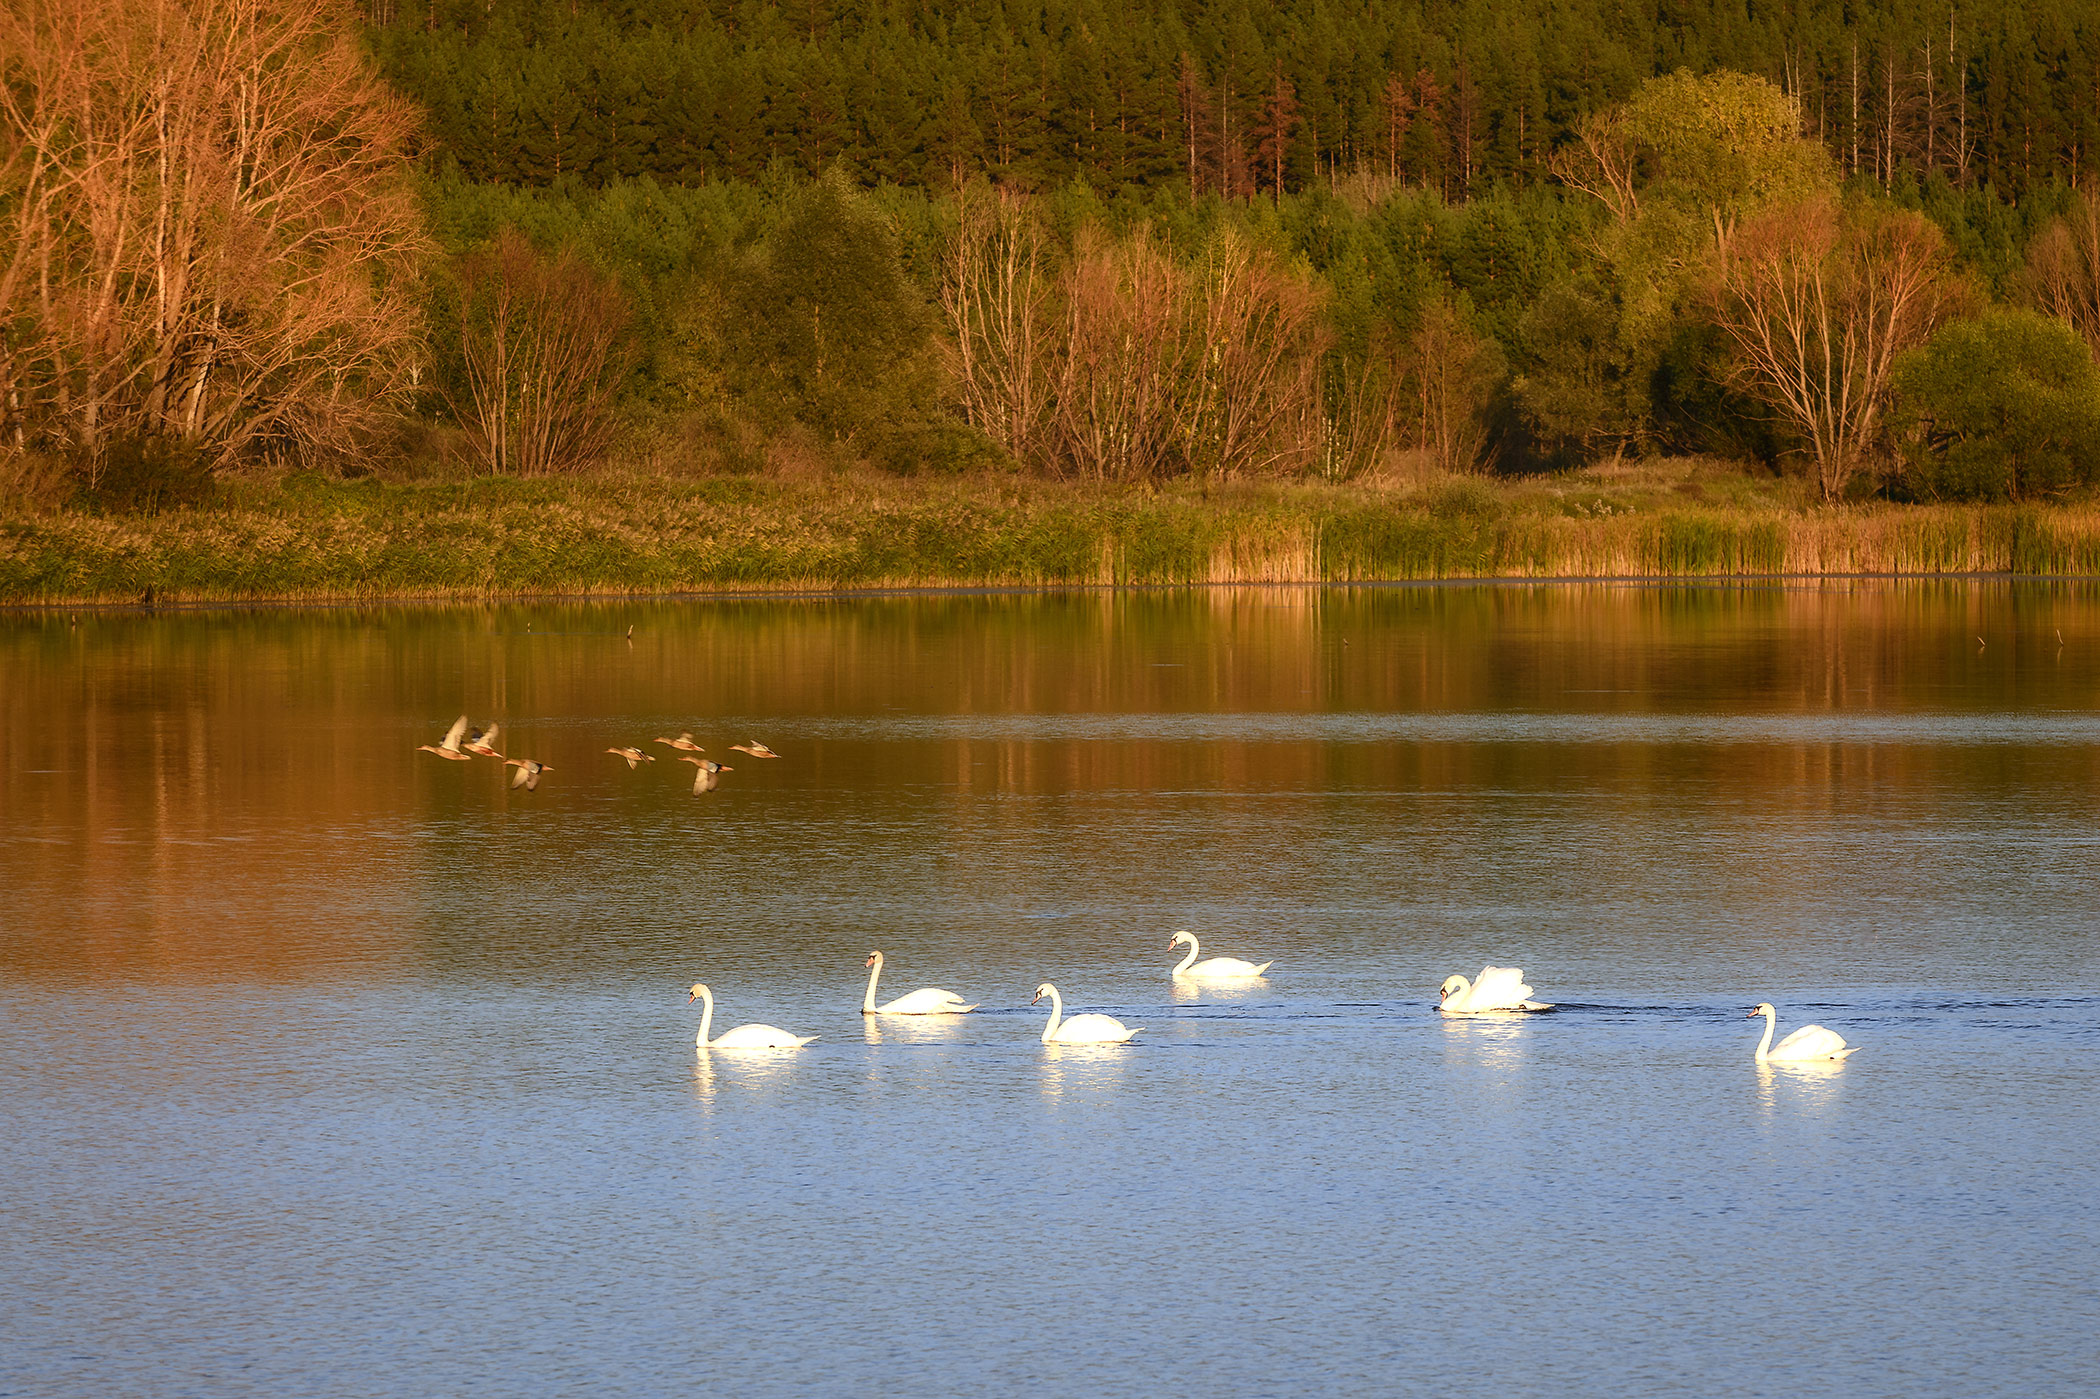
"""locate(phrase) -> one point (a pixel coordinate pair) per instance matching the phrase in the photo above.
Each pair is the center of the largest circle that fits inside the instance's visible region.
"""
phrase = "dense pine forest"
(1218, 96)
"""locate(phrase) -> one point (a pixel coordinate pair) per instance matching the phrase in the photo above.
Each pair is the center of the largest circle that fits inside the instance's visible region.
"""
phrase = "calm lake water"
(331, 1068)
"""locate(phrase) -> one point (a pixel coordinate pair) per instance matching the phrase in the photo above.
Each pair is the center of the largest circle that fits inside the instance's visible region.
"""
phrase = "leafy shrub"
(145, 475)
(2004, 406)
(829, 328)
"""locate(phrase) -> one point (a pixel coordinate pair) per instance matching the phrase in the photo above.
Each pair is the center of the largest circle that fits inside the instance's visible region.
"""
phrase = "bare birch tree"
(1602, 162)
(209, 232)
(1817, 304)
(1126, 340)
(2063, 268)
(544, 342)
(1451, 371)
(1127, 365)
(1253, 364)
(998, 295)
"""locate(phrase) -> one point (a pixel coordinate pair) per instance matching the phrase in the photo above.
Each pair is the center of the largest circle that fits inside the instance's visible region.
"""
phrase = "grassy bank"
(313, 539)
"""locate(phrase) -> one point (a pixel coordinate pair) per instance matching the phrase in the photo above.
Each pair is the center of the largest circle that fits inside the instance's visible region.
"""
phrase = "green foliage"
(144, 476)
(829, 330)
(1139, 96)
(1681, 162)
(1600, 323)
(1583, 390)
(2003, 406)
(1725, 144)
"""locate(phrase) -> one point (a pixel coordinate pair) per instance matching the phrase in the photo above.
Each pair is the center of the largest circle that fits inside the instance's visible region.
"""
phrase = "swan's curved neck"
(1458, 997)
(1190, 960)
(1771, 1020)
(867, 1003)
(1057, 1013)
(707, 1013)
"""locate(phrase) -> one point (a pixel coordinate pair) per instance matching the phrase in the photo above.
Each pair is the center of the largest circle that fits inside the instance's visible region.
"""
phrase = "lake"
(329, 1067)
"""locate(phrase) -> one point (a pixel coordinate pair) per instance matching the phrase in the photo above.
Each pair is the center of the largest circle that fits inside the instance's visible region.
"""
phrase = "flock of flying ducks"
(1497, 990)
(459, 746)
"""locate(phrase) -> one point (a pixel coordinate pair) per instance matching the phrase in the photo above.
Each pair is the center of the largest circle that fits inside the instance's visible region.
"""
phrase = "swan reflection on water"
(1815, 1084)
(916, 1029)
(1081, 1068)
(714, 1073)
(1184, 991)
(1491, 1041)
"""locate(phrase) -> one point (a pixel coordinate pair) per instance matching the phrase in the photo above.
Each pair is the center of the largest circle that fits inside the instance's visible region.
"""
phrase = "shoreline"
(318, 542)
(1746, 581)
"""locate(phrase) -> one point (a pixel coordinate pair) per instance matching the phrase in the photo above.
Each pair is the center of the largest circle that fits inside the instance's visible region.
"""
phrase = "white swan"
(1807, 1043)
(743, 1036)
(1498, 988)
(1213, 968)
(927, 1000)
(1080, 1029)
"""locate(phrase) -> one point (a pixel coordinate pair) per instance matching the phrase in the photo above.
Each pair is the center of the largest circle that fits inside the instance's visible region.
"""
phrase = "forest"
(1216, 96)
(1855, 245)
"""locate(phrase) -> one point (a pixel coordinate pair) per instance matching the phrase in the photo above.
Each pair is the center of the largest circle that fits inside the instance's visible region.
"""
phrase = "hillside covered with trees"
(1858, 245)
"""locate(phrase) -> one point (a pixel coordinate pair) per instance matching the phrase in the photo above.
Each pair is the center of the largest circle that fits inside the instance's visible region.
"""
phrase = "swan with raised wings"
(1497, 988)
(1808, 1043)
(1213, 968)
(743, 1036)
(927, 1000)
(1080, 1029)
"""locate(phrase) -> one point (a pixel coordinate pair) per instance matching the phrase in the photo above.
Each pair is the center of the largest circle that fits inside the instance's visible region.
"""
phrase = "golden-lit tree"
(544, 340)
(1126, 364)
(1817, 303)
(2063, 268)
(209, 233)
(1253, 350)
(997, 295)
(1452, 370)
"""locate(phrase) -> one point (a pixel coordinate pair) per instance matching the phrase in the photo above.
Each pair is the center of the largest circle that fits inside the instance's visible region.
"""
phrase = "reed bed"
(325, 541)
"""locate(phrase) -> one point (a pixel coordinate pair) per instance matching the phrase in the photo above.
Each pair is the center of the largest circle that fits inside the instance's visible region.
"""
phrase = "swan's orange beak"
(1749, 1015)
(689, 998)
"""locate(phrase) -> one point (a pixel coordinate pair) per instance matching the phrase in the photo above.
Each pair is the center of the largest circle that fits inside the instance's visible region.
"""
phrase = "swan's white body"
(743, 1036)
(1080, 1029)
(927, 1000)
(1213, 968)
(1497, 988)
(1810, 1042)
